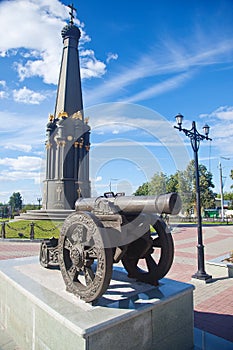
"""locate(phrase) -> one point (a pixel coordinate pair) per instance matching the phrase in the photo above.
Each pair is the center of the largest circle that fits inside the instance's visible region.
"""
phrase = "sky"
(142, 63)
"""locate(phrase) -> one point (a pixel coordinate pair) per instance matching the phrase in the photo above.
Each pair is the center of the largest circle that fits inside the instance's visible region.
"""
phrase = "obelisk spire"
(69, 92)
(68, 134)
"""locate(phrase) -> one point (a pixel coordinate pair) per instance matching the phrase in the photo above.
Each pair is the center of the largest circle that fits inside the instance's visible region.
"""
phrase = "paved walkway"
(213, 302)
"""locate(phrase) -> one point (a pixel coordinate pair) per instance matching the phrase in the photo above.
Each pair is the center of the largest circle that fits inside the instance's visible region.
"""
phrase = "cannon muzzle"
(169, 203)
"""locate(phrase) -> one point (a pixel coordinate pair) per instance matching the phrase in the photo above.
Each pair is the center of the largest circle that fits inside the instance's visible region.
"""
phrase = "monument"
(68, 138)
(68, 133)
(141, 310)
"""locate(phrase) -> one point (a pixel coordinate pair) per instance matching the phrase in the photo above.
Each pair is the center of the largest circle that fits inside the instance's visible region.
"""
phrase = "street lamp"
(221, 188)
(39, 200)
(195, 138)
(110, 183)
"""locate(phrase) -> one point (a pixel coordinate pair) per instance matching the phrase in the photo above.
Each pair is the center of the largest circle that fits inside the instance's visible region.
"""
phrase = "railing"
(5, 226)
(191, 219)
(32, 226)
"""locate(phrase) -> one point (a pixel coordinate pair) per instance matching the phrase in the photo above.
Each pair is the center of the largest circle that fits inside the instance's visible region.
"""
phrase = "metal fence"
(5, 226)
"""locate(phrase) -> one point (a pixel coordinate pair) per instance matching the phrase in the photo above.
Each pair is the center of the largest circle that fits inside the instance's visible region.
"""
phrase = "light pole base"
(203, 276)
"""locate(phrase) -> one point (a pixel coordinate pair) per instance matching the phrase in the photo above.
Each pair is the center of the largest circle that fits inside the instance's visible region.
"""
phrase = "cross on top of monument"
(71, 13)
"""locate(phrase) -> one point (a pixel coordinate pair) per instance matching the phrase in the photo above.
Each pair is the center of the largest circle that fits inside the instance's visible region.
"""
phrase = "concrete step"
(59, 215)
(6, 342)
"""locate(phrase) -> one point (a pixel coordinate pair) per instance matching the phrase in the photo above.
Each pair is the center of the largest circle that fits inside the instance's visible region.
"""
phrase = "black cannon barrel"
(169, 203)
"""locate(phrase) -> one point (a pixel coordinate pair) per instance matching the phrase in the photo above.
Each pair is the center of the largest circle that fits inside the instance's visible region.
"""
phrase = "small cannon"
(105, 230)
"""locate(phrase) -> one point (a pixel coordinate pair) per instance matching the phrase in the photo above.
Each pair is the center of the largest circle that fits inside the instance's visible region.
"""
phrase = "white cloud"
(28, 96)
(22, 163)
(98, 179)
(221, 128)
(176, 63)
(22, 167)
(111, 56)
(160, 88)
(90, 66)
(23, 132)
(3, 94)
(40, 34)
(224, 113)
(19, 147)
(7, 176)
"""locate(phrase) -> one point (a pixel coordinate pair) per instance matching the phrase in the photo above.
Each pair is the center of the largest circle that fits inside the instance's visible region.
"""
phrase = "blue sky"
(141, 64)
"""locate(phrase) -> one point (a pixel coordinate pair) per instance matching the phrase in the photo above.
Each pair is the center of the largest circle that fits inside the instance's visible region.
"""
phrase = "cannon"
(109, 229)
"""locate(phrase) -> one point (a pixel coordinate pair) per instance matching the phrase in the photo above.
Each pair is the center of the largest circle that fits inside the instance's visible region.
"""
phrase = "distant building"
(218, 203)
(211, 213)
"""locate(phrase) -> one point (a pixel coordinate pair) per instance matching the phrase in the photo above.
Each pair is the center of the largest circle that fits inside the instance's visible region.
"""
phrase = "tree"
(142, 190)
(206, 193)
(184, 188)
(184, 183)
(172, 183)
(16, 201)
(231, 177)
(157, 185)
(228, 196)
(4, 210)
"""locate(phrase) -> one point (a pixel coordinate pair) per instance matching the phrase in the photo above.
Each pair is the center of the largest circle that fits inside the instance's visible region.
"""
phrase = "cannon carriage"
(109, 229)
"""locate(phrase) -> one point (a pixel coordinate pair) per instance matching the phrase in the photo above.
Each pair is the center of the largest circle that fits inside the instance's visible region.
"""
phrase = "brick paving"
(11, 250)
(213, 302)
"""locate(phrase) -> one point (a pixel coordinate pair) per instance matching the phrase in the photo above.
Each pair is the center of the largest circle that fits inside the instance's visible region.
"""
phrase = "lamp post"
(110, 183)
(39, 200)
(195, 138)
(221, 188)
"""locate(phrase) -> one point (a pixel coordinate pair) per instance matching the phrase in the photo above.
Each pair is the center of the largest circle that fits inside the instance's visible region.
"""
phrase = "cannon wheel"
(157, 262)
(86, 265)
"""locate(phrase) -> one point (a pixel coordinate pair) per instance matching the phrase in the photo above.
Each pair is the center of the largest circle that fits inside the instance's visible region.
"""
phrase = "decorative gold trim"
(81, 143)
(63, 114)
(61, 143)
(77, 115)
(79, 192)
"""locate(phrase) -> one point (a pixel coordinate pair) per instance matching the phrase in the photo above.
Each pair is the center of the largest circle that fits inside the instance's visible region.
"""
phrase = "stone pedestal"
(220, 267)
(54, 215)
(39, 314)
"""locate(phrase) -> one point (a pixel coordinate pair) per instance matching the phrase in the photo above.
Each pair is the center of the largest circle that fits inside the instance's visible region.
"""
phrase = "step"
(6, 342)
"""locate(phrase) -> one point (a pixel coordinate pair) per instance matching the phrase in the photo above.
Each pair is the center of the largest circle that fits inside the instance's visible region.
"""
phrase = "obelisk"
(68, 133)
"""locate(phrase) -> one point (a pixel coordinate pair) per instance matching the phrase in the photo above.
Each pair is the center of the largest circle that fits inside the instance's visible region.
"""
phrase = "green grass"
(46, 228)
(42, 229)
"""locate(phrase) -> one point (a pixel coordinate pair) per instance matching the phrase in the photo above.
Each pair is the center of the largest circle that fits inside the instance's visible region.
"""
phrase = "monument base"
(220, 267)
(38, 313)
(54, 215)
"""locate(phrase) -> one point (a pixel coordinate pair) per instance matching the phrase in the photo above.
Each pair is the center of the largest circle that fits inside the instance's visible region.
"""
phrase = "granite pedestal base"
(220, 267)
(38, 313)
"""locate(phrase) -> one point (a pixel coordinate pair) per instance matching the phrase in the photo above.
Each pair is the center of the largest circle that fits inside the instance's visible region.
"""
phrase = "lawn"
(22, 228)
(46, 228)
